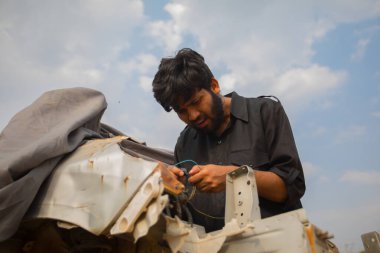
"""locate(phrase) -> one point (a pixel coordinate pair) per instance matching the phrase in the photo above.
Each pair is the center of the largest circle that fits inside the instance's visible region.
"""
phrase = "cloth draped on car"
(36, 139)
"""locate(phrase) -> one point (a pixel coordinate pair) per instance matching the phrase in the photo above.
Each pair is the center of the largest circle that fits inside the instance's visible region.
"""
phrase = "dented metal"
(92, 186)
(120, 197)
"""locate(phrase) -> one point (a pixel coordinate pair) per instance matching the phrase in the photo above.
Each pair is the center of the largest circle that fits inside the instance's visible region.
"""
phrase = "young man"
(223, 133)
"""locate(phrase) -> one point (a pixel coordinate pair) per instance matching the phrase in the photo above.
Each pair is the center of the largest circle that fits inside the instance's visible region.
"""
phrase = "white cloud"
(253, 45)
(376, 114)
(140, 64)
(361, 48)
(321, 28)
(227, 83)
(169, 33)
(79, 71)
(103, 11)
(146, 83)
(46, 45)
(365, 35)
(309, 168)
(369, 177)
(166, 34)
(303, 84)
(141, 67)
(175, 9)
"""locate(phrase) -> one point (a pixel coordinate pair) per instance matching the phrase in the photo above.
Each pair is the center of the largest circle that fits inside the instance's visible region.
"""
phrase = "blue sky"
(321, 58)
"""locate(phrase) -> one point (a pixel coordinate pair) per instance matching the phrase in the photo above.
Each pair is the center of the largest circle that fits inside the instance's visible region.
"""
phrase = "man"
(223, 133)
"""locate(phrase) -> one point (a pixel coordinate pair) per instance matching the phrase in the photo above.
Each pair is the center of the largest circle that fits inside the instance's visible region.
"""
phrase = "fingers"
(208, 178)
(195, 179)
(195, 175)
(203, 187)
(171, 181)
(194, 170)
(177, 171)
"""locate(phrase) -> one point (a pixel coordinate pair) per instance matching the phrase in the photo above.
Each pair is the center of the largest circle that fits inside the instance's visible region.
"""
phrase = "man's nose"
(193, 114)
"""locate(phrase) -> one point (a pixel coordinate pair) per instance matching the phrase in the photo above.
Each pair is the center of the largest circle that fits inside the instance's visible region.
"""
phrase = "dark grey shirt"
(260, 136)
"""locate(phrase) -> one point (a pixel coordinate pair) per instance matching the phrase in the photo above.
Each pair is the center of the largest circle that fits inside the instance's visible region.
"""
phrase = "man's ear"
(215, 86)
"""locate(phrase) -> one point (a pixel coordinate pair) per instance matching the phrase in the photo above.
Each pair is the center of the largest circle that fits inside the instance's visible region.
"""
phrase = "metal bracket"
(371, 242)
(242, 201)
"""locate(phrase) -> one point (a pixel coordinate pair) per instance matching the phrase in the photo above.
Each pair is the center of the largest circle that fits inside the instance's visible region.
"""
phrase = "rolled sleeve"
(283, 156)
(294, 185)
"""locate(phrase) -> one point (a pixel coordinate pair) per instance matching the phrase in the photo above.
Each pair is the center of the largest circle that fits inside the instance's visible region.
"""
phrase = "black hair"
(180, 77)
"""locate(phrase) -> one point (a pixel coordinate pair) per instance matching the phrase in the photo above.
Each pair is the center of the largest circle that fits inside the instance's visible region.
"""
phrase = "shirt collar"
(238, 109)
(238, 106)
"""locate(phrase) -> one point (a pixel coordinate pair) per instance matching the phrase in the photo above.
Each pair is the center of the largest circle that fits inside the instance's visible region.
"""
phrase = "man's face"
(204, 111)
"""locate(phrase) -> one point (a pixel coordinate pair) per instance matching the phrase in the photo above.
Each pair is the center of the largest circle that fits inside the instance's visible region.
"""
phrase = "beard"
(217, 113)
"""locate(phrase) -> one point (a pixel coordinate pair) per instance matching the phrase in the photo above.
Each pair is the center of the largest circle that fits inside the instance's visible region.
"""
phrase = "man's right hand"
(177, 171)
(170, 177)
(179, 174)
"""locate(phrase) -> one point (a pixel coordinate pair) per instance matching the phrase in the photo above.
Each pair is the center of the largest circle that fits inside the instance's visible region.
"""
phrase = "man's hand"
(177, 171)
(170, 178)
(210, 177)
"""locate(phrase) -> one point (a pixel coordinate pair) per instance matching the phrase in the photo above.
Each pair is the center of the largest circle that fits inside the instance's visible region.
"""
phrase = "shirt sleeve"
(282, 151)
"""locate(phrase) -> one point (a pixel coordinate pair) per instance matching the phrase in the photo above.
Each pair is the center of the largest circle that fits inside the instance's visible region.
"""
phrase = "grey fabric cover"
(35, 140)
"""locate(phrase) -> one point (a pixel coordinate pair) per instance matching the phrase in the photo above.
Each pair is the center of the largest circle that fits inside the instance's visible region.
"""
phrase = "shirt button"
(219, 142)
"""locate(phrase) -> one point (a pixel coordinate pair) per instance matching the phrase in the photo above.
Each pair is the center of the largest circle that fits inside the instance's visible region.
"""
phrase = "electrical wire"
(193, 188)
(205, 214)
(186, 161)
(193, 191)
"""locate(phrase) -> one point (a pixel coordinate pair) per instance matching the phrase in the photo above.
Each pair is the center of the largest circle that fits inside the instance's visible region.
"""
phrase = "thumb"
(177, 171)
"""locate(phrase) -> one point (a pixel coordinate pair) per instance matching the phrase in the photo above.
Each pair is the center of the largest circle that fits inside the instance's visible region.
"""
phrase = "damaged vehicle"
(114, 194)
